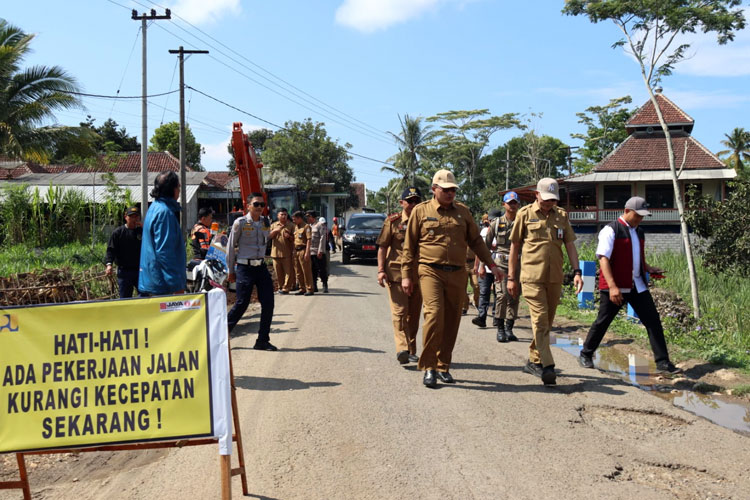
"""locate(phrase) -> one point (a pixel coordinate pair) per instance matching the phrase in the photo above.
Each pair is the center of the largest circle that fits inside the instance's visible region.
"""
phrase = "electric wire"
(166, 101)
(125, 72)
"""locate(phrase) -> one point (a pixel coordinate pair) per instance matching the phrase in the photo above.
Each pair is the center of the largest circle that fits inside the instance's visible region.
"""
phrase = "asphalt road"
(332, 415)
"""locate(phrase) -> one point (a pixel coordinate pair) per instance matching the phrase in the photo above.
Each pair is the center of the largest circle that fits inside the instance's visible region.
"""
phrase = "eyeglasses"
(259, 204)
(413, 201)
(448, 190)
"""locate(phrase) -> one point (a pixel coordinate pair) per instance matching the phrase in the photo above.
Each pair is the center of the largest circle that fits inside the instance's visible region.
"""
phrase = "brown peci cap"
(444, 179)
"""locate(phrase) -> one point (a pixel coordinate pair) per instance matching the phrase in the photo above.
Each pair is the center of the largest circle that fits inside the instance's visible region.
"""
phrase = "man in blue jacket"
(163, 259)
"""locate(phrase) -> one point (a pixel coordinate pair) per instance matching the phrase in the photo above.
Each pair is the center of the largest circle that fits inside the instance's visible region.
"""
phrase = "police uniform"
(319, 244)
(302, 267)
(282, 252)
(404, 308)
(247, 247)
(506, 306)
(540, 239)
(435, 249)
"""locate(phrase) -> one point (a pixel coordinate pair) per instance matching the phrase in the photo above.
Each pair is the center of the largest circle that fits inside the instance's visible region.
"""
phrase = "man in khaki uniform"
(435, 247)
(498, 239)
(302, 265)
(538, 235)
(282, 250)
(471, 279)
(404, 308)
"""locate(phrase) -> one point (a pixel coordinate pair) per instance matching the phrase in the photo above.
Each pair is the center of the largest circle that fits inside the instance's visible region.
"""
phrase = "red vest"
(621, 260)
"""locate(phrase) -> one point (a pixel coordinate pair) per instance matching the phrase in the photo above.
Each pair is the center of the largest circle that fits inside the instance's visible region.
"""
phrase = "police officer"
(404, 308)
(435, 248)
(318, 246)
(302, 266)
(200, 235)
(540, 231)
(282, 250)
(124, 249)
(247, 247)
(498, 235)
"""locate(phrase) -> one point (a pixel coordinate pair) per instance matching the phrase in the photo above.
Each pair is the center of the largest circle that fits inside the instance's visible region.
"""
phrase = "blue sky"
(371, 60)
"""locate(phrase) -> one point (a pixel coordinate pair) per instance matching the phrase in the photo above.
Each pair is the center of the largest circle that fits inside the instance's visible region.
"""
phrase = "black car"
(359, 237)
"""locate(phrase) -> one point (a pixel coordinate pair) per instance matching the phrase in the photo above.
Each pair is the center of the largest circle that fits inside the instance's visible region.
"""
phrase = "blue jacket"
(163, 259)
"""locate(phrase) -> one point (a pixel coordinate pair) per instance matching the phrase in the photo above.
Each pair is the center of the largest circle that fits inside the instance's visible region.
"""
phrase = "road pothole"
(631, 423)
(674, 480)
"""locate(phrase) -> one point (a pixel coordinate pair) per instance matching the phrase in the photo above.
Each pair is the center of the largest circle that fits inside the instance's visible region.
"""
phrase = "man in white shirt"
(623, 279)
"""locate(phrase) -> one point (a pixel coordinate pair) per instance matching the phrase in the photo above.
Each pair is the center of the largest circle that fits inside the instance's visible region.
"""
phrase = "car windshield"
(365, 222)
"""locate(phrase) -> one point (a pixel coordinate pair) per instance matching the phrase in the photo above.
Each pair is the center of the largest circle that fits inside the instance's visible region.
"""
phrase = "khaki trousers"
(405, 315)
(542, 299)
(506, 307)
(443, 295)
(284, 267)
(303, 269)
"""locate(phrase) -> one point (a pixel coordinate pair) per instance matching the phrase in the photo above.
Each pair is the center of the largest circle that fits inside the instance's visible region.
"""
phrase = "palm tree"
(28, 99)
(738, 143)
(412, 142)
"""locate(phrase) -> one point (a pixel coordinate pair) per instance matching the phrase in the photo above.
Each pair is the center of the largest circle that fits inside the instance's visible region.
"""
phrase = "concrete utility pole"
(183, 174)
(144, 18)
(507, 168)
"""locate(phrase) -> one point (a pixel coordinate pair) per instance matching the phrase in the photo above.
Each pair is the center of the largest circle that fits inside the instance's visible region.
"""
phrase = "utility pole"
(144, 18)
(183, 173)
(507, 168)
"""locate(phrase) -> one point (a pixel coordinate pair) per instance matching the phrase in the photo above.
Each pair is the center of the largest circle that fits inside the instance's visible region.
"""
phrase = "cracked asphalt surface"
(332, 415)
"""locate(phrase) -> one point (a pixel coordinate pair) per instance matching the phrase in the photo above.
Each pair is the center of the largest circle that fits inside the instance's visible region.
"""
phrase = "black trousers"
(643, 305)
(319, 269)
(247, 278)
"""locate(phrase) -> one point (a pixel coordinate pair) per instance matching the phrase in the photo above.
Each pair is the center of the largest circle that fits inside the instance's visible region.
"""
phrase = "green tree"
(167, 138)
(462, 139)
(88, 141)
(258, 139)
(115, 139)
(738, 143)
(408, 163)
(649, 29)
(303, 152)
(605, 130)
(29, 98)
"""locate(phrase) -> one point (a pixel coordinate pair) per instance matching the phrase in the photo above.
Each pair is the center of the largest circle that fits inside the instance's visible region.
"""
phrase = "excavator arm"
(247, 167)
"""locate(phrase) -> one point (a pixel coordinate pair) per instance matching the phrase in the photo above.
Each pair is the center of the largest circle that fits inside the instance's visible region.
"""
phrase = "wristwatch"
(578, 272)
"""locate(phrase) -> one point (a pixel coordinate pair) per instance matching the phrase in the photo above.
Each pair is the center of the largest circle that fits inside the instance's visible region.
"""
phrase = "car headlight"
(349, 237)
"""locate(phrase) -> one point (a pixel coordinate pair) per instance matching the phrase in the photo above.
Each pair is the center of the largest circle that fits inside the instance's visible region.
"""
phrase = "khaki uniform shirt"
(437, 235)
(302, 234)
(392, 237)
(281, 247)
(541, 239)
(499, 232)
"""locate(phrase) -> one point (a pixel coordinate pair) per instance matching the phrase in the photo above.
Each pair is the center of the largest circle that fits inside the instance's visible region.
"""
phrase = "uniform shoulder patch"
(394, 217)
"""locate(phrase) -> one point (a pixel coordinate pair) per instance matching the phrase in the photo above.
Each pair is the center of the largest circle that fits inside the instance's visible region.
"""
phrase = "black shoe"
(413, 358)
(301, 292)
(549, 377)
(463, 313)
(264, 346)
(533, 369)
(325, 288)
(480, 322)
(446, 377)
(667, 367)
(501, 335)
(429, 379)
(308, 293)
(509, 330)
(585, 361)
(494, 321)
(402, 357)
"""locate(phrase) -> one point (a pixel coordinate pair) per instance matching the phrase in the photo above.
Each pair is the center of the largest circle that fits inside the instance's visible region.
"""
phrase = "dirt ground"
(332, 415)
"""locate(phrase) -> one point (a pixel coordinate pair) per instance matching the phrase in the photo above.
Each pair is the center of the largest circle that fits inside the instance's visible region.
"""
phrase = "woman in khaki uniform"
(404, 308)
(302, 264)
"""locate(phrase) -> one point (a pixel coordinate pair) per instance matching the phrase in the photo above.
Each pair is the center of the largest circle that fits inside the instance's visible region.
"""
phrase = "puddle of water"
(640, 372)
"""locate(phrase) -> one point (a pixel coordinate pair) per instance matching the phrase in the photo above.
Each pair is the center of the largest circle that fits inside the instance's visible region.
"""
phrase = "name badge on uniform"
(430, 219)
(560, 234)
(533, 220)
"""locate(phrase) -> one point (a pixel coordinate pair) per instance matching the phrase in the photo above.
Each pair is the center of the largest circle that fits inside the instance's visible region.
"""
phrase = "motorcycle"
(205, 275)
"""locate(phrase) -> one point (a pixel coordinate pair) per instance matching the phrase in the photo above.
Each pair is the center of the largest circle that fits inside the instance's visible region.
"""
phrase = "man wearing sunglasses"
(404, 308)
(247, 248)
(437, 238)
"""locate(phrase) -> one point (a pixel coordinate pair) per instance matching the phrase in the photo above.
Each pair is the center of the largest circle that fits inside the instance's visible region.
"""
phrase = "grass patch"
(77, 256)
(741, 390)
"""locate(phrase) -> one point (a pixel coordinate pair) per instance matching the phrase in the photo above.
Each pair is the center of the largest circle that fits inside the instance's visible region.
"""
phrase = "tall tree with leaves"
(605, 130)
(258, 139)
(407, 164)
(167, 138)
(649, 29)
(738, 143)
(29, 98)
(304, 152)
(462, 139)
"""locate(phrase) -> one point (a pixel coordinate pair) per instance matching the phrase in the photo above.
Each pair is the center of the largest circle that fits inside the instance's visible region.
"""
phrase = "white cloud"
(216, 156)
(707, 58)
(369, 16)
(689, 99)
(202, 12)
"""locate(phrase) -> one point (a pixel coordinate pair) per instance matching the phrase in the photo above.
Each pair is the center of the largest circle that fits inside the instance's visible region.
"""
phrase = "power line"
(125, 71)
(104, 96)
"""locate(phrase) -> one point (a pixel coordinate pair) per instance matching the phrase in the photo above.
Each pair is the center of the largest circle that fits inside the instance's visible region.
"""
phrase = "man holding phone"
(623, 279)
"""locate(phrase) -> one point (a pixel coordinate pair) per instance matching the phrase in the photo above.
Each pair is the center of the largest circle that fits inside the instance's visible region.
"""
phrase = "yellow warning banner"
(97, 373)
